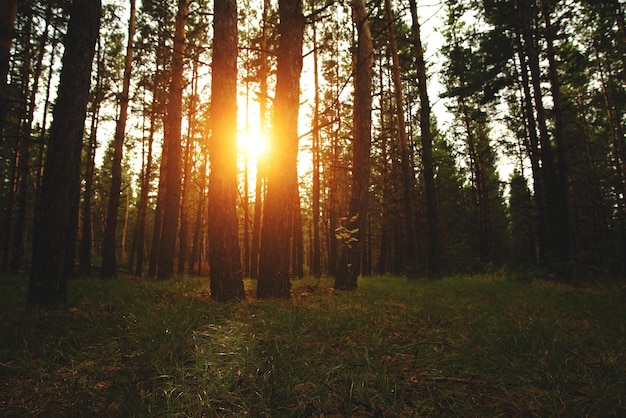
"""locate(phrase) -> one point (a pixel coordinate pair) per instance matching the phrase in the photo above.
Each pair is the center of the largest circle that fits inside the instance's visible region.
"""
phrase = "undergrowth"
(461, 346)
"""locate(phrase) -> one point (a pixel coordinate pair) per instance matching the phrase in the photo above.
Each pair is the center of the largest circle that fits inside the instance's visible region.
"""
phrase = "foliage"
(470, 346)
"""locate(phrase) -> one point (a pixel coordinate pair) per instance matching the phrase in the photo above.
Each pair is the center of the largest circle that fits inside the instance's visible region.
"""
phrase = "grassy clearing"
(466, 346)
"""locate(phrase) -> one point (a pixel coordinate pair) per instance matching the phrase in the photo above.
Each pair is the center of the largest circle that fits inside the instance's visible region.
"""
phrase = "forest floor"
(463, 346)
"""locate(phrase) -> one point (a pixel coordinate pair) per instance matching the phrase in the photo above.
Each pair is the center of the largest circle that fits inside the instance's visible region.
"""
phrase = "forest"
(276, 141)
(312, 208)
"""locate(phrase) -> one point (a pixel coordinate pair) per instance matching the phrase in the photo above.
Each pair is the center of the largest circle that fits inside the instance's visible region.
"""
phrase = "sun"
(252, 143)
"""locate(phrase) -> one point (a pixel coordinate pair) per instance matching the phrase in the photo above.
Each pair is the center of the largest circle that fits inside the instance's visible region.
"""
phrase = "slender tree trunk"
(259, 196)
(548, 169)
(352, 251)
(48, 278)
(333, 198)
(109, 244)
(562, 201)
(146, 179)
(246, 193)
(183, 245)
(428, 162)
(408, 178)
(197, 230)
(316, 264)
(278, 213)
(384, 260)
(84, 263)
(532, 146)
(165, 267)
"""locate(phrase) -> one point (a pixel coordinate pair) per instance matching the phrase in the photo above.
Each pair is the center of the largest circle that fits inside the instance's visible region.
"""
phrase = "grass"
(462, 346)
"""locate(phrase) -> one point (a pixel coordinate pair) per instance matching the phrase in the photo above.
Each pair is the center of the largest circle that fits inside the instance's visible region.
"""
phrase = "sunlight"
(252, 143)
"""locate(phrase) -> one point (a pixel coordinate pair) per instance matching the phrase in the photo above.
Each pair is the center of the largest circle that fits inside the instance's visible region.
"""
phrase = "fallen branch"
(426, 377)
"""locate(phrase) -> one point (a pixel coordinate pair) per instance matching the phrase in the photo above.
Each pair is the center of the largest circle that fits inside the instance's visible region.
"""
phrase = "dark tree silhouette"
(56, 214)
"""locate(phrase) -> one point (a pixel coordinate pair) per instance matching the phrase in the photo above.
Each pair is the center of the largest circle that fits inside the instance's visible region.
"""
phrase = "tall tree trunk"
(278, 213)
(531, 143)
(146, 179)
(224, 255)
(183, 244)
(408, 179)
(562, 201)
(48, 278)
(548, 168)
(167, 246)
(261, 160)
(352, 251)
(109, 244)
(428, 162)
(84, 261)
(333, 196)
(316, 263)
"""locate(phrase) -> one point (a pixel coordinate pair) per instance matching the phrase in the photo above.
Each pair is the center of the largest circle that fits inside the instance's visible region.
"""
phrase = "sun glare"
(252, 143)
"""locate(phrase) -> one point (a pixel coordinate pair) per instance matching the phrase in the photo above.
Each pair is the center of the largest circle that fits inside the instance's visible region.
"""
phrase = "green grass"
(462, 346)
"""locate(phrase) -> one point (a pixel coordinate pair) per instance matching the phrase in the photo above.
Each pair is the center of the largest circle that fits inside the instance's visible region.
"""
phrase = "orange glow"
(252, 143)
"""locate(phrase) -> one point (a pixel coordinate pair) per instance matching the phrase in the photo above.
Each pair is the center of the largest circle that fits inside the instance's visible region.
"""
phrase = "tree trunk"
(183, 244)
(167, 246)
(224, 255)
(408, 179)
(261, 160)
(352, 250)
(197, 231)
(109, 244)
(316, 264)
(531, 143)
(548, 169)
(146, 178)
(48, 278)
(428, 162)
(84, 262)
(562, 206)
(278, 213)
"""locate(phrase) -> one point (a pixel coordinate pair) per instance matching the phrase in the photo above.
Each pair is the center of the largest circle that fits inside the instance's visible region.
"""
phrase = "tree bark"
(408, 178)
(183, 244)
(316, 263)
(167, 245)
(278, 214)
(352, 251)
(109, 244)
(84, 258)
(428, 162)
(224, 254)
(261, 160)
(48, 278)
